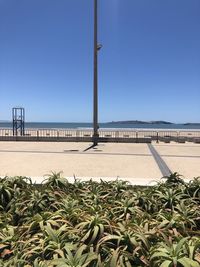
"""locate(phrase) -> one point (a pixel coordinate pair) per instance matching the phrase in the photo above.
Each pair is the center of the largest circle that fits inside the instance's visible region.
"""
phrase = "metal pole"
(95, 100)
(23, 122)
(13, 121)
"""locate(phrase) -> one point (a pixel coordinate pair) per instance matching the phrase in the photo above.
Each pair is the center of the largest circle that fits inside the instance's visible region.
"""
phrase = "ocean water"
(66, 125)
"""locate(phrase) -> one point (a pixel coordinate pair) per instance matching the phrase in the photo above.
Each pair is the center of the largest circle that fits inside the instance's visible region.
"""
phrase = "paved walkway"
(138, 163)
(160, 162)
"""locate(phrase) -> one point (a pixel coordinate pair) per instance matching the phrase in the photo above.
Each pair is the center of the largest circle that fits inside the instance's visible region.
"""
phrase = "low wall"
(74, 139)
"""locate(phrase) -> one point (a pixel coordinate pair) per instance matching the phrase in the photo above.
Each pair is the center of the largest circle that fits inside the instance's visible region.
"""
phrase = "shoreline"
(103, 126)
(107, 129)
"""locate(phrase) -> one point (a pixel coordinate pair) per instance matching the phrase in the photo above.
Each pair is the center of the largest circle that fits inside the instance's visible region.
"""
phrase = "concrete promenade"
(137, 163)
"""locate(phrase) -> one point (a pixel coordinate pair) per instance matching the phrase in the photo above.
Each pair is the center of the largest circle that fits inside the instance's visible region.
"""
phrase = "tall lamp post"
(97, 47)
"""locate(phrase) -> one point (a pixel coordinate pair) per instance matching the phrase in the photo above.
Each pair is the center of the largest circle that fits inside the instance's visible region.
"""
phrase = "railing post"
(136, 134)
(157, 138)
(177, 136)
(78, 135)
(117, 134)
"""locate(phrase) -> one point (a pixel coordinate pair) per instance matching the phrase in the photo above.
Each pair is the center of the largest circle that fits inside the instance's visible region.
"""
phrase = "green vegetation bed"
(99, 224)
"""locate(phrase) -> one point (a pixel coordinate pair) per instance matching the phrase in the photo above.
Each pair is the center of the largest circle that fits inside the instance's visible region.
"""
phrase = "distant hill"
(140, 122)
(192, 123)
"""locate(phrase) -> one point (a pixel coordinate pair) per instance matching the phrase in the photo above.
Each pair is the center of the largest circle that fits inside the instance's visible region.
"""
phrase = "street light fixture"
(97, 47)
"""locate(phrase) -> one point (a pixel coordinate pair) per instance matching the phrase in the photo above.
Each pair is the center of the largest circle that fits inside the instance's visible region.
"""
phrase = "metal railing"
(104, 135)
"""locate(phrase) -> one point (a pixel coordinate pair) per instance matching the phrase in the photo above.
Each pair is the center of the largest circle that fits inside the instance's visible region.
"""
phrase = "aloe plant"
(106, 224)
(75, 257)
(6, 195)
(174, 179)
(56, 180)
(172, 255)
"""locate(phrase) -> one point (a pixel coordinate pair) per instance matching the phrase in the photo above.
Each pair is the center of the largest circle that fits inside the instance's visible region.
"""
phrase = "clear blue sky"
(149, 67)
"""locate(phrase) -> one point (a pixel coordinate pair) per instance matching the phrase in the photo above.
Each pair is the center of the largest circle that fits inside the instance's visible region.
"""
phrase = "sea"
(75, 125)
